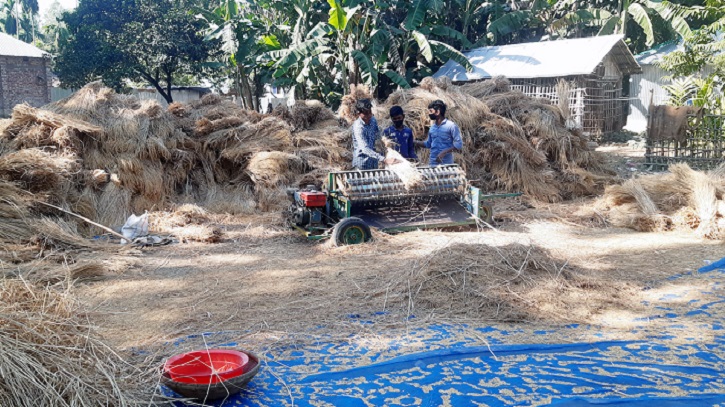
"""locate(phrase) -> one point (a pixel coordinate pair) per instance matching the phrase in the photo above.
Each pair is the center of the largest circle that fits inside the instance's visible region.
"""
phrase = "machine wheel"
(486, 214)
(350, 231)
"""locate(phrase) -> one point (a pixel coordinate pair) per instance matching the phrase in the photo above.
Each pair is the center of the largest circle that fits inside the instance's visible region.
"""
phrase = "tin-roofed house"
(25, 75)
(649, 86)
(595, 71)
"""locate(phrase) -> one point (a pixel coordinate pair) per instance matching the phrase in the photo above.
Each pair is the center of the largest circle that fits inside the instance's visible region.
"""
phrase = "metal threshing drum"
(383, 185)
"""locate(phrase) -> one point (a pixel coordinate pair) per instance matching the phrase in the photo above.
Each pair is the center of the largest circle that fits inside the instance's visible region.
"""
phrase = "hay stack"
(269, 169)
(512, 283)
(511, 141)
(682, 198)
(51, 357)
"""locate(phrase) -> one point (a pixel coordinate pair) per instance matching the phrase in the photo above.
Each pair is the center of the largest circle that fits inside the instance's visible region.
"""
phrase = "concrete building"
(25, 75)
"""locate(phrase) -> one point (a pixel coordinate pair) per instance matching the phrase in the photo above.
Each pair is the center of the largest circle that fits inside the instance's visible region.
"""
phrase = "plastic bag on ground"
(136, 226)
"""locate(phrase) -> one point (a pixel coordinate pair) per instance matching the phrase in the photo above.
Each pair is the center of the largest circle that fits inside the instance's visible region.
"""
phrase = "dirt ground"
(269, 284)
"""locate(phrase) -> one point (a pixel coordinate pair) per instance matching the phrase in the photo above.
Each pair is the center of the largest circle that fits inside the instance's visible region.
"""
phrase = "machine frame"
(479, 206)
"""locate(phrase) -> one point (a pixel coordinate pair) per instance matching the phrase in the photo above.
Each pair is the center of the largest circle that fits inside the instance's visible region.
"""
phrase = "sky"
(45, 4)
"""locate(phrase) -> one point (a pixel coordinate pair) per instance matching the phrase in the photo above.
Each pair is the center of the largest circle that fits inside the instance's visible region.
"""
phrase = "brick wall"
(23, 80)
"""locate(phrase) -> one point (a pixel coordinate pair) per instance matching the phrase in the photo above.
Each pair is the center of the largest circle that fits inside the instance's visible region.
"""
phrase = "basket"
(214, 391)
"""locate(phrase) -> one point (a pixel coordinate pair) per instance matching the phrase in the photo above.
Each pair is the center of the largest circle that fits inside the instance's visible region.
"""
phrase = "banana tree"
(642, 13)
(244, 34)
(405, 53)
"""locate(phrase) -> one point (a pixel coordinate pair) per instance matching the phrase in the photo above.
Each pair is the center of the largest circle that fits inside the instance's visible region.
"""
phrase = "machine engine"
(308, 206)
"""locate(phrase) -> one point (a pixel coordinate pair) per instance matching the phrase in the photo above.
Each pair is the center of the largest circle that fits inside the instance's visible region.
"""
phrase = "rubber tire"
(344, 225)
(486, 214)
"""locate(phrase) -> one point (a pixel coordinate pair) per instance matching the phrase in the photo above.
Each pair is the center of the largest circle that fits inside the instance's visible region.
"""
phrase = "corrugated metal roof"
(10, 46)
(655, 54)
(548, 59)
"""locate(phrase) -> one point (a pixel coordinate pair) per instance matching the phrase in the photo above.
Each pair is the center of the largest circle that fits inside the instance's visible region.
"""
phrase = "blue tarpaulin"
(457, 365)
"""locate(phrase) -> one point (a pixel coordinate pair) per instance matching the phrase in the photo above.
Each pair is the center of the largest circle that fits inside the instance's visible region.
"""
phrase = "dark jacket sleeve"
(411, 145)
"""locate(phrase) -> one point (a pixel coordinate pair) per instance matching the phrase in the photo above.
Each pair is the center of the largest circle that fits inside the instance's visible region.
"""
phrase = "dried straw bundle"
(37, 170)
(482, 89)
(14, 213)
(269, 169)
(410, 176)
(347, 110)
(682, 198)
(305, 114)
(270, 134)
(51, 357)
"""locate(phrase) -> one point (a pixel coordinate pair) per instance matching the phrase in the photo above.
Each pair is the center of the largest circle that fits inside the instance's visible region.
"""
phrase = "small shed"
(593, 71)
(25, 75)
(648, 86)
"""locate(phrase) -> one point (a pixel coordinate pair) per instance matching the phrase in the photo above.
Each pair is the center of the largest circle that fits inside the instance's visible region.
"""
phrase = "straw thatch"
(680, 198)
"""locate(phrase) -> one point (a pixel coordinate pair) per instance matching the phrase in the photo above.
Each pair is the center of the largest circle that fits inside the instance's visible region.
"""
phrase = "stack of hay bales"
(679, 199)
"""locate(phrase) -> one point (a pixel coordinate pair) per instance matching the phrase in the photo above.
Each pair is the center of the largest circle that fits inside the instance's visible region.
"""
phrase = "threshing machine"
(354, 201)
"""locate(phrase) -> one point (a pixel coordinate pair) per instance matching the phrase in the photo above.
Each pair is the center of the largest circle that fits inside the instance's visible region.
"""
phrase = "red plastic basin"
(206, 366)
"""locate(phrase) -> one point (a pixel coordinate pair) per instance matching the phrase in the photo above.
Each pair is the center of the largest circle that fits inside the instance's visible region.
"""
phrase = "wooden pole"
(107, 229)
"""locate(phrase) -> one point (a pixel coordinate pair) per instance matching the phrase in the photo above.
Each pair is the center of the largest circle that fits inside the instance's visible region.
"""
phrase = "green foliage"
(18, 18)
(699, 67)
(120, 40)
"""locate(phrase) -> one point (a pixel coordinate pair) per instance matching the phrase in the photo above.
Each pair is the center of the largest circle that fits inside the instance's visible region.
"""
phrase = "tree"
(54, 30)
(17, 17)
(704, 47)
(379, 42)
(121, 40)
(245, 31)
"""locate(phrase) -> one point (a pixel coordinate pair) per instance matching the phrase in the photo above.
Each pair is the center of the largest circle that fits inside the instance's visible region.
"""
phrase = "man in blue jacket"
(402, 136)
(444, 136)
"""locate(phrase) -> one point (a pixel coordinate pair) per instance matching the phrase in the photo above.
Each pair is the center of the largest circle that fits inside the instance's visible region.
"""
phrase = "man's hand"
(439, 159)
(390, 161)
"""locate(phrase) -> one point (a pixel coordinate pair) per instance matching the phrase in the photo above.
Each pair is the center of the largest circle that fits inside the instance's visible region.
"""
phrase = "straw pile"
(188, 223)
(679, 199)
(511, 283)
(105, 156)
(51, 357)
(511, 142)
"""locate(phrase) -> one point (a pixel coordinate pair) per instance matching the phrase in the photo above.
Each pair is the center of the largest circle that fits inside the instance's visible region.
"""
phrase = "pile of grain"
(679, 199)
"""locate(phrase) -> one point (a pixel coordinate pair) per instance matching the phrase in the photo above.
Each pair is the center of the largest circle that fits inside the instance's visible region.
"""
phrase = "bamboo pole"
(107, 229)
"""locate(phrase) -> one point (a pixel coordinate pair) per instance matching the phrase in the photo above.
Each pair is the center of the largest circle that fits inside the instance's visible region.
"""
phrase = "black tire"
(485, 213)
(350, 231)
